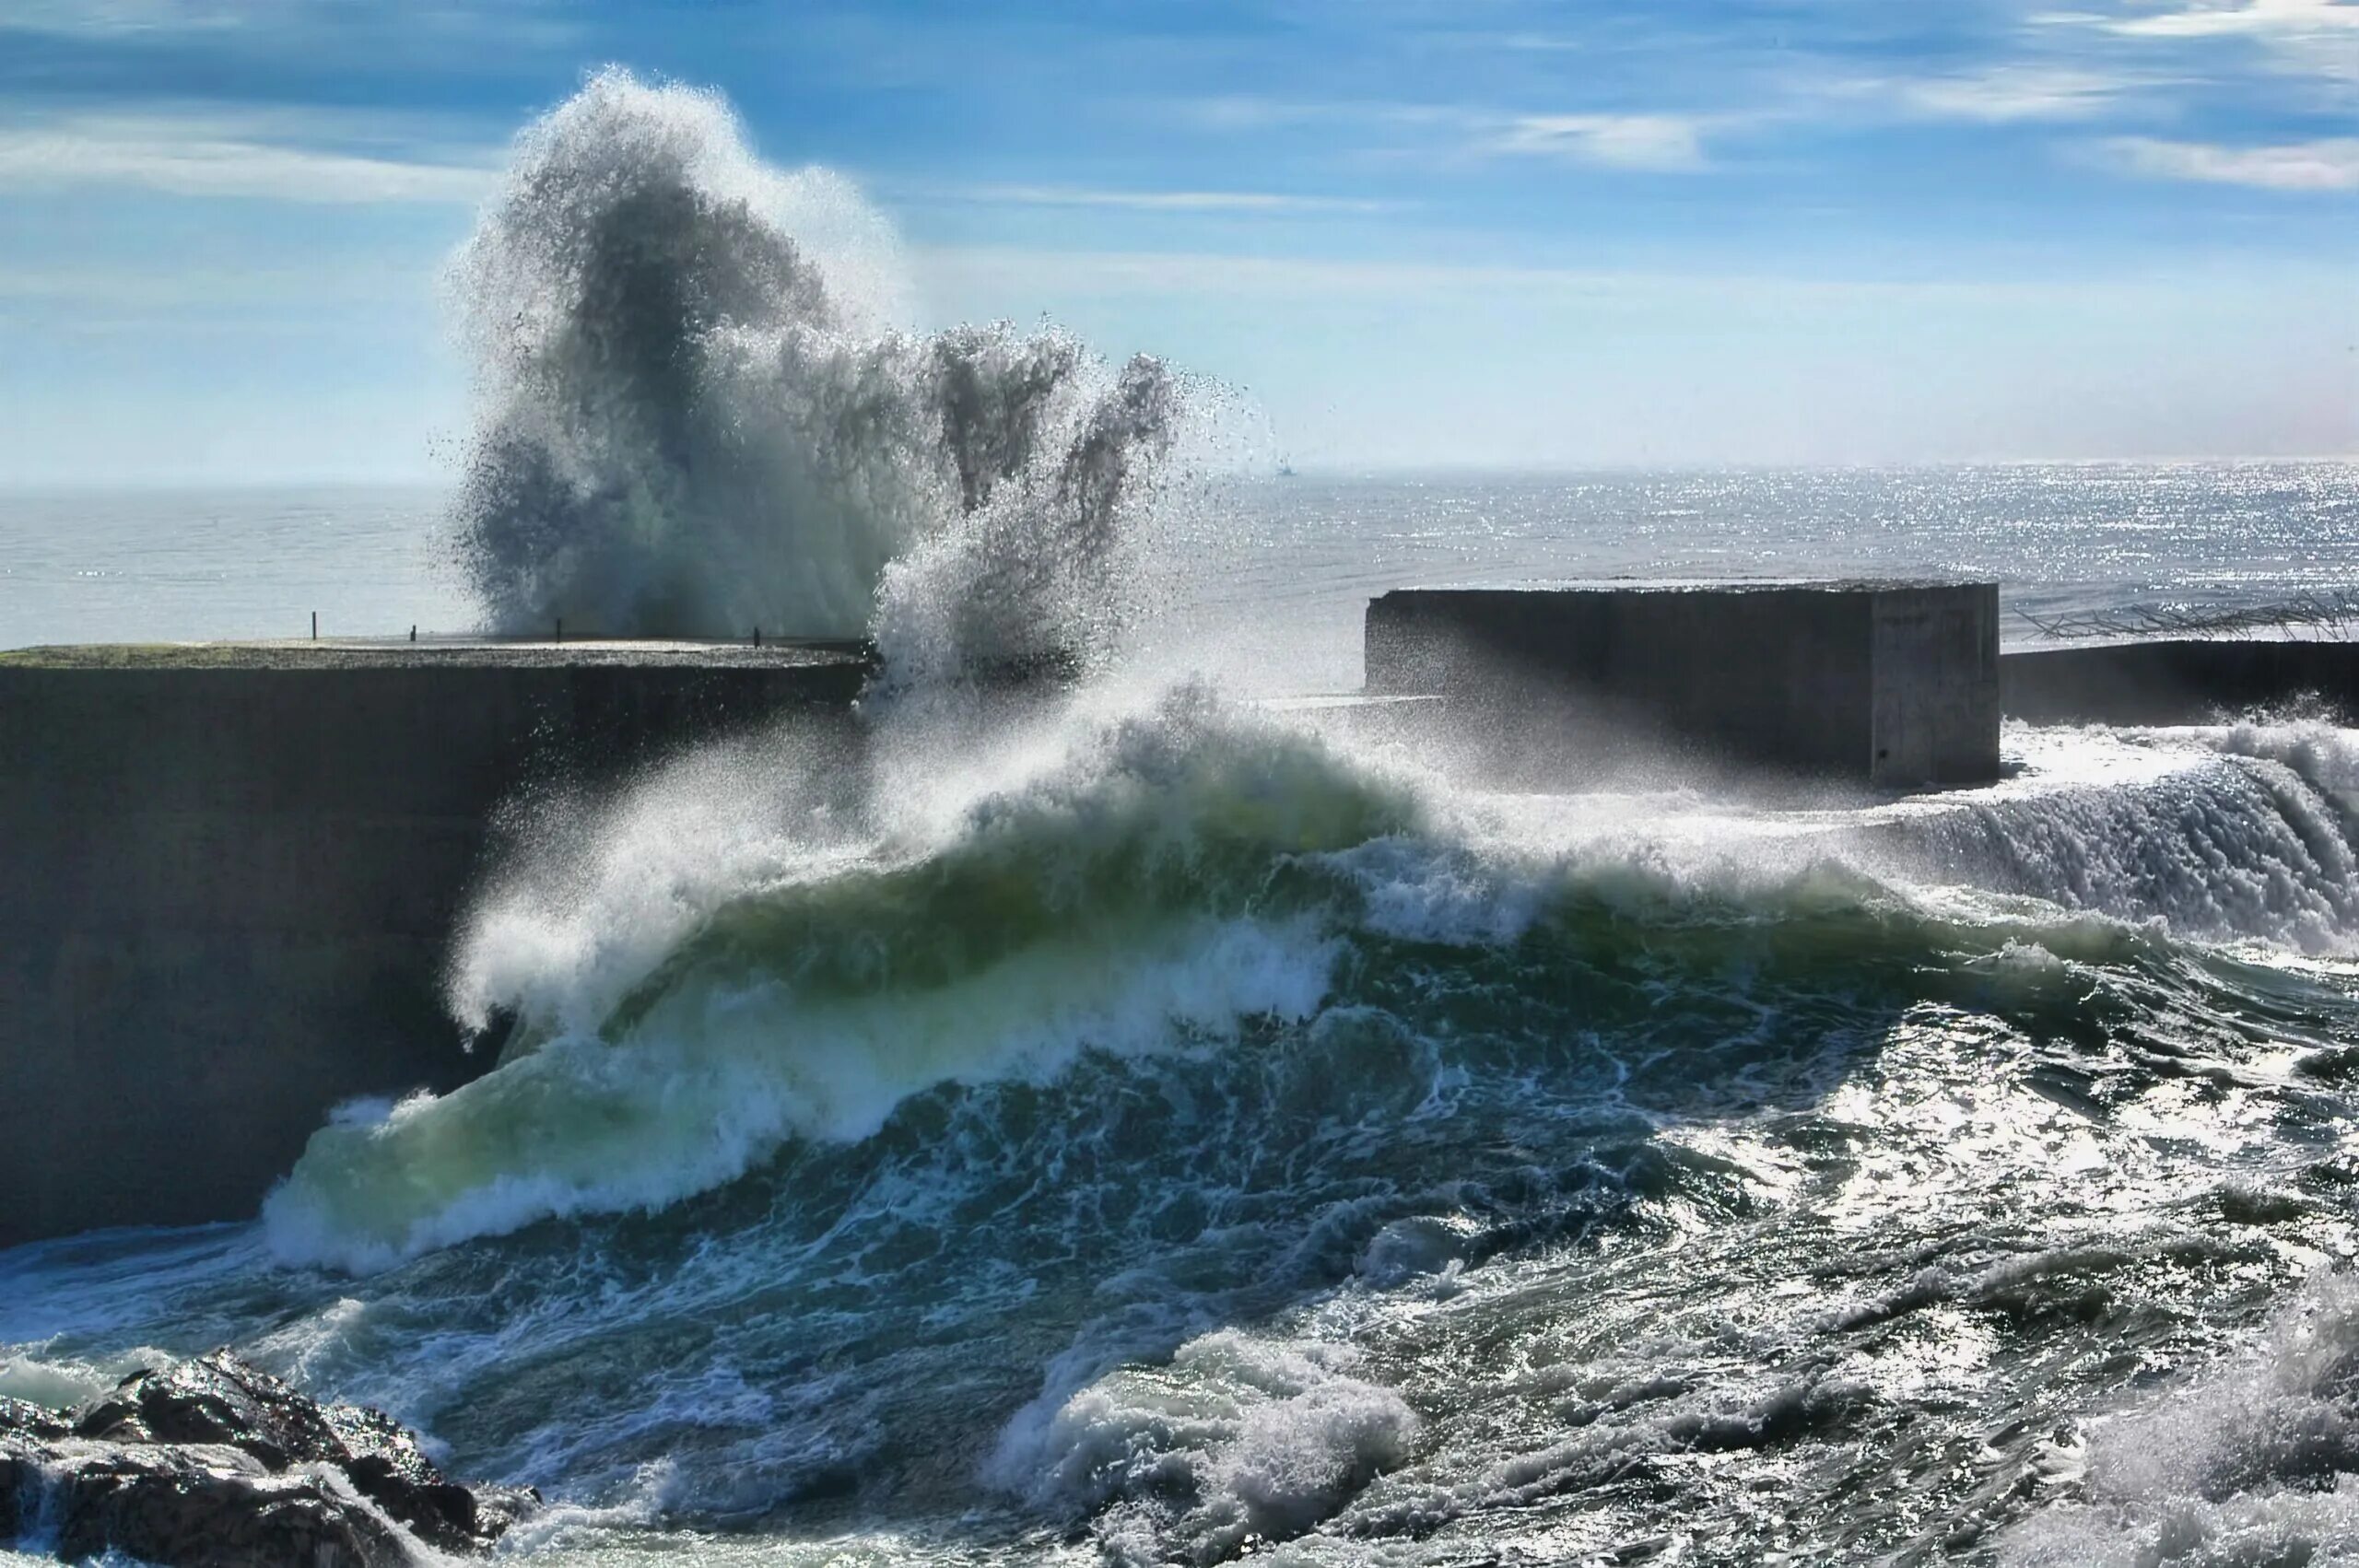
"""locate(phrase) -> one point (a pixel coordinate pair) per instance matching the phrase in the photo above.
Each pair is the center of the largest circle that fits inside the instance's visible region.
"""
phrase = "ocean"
(1169, 1133)
(1159, 1125)
(1261, 582)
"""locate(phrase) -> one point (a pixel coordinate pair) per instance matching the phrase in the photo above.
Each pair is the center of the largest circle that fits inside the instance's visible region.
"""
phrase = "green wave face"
(1165, 883)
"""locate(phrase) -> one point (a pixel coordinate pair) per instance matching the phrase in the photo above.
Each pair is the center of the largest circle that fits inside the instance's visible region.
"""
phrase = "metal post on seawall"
(413, 632)
(315, 625)
(758, 636)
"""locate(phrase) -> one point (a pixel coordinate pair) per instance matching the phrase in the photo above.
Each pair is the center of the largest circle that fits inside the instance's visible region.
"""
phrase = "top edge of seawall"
(1696, 585)
(438, 654)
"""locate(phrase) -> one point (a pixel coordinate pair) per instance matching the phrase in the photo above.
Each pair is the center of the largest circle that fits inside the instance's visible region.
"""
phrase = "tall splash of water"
(694, 420)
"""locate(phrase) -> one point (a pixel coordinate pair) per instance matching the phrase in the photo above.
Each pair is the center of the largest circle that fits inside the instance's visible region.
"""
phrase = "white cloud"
(2328, 165)
(211, 158)
(2305, 37)
(101, 18)
(1008, 277)
(1166, 201)
(1654, 142)
(2246, 16)
(1661, 141)
(191, 295)
(2006, 93)
(295, 27)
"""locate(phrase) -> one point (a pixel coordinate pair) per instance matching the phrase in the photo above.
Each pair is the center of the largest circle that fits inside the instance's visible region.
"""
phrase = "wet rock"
(202, 1506)
(214, 1462)
(33, 1420)
(214, 1399)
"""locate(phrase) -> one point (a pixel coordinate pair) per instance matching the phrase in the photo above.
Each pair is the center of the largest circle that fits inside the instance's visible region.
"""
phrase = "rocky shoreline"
(214, 1464)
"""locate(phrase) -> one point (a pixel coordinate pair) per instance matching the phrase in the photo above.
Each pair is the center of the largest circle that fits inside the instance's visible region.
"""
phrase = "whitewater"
(1119, 1117)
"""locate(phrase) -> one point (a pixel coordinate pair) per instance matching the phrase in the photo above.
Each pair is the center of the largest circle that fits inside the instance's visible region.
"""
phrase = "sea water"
(1265, 579)
(1155, 1127)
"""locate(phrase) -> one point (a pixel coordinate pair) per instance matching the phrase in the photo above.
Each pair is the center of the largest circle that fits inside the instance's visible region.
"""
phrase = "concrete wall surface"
(1935, 712)
(2191, 681)
(1811, 679)
(230, 894)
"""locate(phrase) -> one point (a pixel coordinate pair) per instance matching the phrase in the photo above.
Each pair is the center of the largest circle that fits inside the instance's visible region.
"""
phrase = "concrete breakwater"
(2187, 680)
(1893, 685)
(233, 875)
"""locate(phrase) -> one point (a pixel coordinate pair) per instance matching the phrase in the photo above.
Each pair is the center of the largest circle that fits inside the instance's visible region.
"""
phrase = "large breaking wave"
(699, 416)
(732, 955)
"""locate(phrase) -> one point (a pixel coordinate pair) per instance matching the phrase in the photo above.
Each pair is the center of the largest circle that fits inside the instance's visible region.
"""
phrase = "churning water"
(1150, 1129)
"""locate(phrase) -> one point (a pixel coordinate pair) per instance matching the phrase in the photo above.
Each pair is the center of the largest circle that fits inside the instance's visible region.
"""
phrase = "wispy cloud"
(1167, 201)
(2317, 38)
(1665, 143)
(2010, 92)
(1657, 142)
(1005, 272)
(190, 296)
(1234, 112)
(2328, 165)
(109, 18)
(225, 158)
(2247, 16)
(274, 23)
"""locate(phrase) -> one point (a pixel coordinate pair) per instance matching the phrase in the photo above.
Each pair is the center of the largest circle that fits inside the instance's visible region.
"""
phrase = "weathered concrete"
(1893, 685)
(2181, 681)
(232, 877)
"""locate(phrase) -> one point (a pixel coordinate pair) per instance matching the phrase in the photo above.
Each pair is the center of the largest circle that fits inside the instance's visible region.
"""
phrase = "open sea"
(1262, 582)
(1164, 1133)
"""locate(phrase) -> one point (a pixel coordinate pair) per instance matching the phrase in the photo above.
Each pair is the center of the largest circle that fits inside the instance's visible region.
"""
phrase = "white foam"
(2253, 1461)
(1234, 1438)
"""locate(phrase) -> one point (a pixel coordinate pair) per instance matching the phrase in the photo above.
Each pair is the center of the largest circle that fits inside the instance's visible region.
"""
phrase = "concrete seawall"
(232, 881)
(2183, 682)
(233, 875)
(1889, 684)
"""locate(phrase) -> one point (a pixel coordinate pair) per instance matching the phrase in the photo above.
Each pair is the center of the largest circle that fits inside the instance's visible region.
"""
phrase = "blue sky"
(1457, 231)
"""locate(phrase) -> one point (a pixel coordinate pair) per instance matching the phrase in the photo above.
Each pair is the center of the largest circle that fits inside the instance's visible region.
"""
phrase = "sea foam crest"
(695, 416)
(1235, 1438)
(2255, 1460)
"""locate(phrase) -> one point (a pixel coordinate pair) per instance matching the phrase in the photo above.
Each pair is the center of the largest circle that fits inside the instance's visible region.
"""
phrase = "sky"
(1414, 233)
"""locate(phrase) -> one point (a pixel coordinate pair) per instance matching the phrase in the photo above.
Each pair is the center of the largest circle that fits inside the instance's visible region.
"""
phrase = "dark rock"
(214, 1462)
(19, 1478)
(33, 1420)
(215, 1398)
(209, 1506)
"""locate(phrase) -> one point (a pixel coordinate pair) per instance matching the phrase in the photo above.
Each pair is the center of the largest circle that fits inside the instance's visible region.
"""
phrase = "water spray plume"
(696, 414)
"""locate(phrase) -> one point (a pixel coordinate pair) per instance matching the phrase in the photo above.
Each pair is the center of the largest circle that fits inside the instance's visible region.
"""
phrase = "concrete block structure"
(233, 875)
(2183, 680)
(1893, 685)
